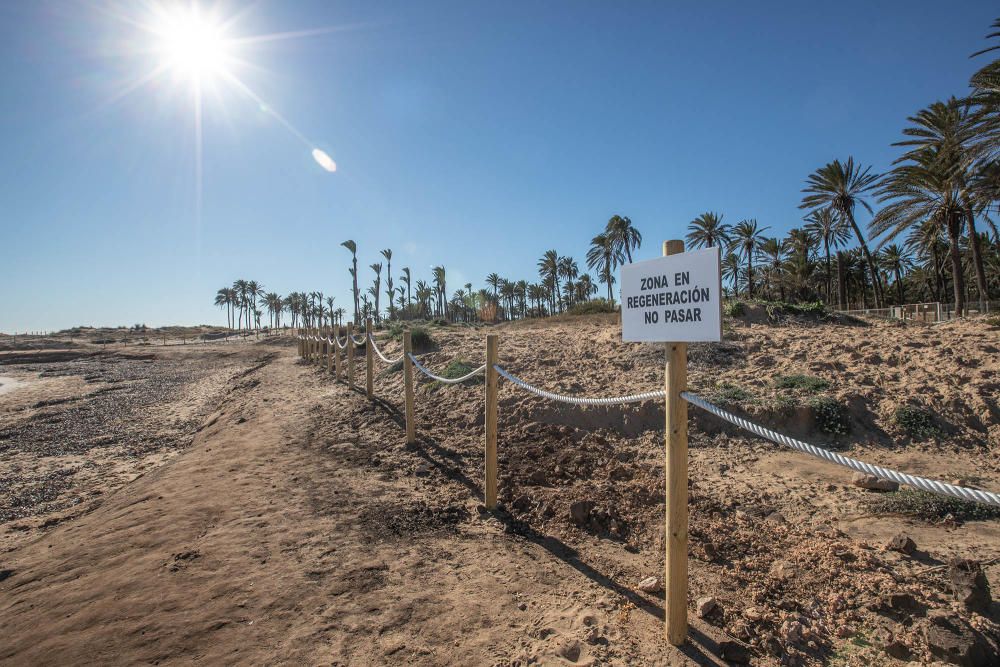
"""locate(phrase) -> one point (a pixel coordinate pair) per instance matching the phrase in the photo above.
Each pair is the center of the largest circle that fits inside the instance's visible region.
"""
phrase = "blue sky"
(472, 134)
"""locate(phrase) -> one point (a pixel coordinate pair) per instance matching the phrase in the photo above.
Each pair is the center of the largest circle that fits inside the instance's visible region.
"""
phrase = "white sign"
(675, 299)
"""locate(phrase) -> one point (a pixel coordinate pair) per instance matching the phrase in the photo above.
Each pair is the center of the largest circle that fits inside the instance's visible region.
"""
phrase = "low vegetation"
(831, 415)
(456, 368)
(930, 506)
(917, 422)
(807, 383)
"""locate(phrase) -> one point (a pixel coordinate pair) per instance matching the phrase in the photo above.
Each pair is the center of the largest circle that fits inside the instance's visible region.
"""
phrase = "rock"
(734, 652)
(897, 649)
(571, 650)
(710, 551)
(649, 585)
(522, 503)
(775, 517)
(538, 477)
(873, 483)
(845, 631)
(791, 632)
(580, 511)
(902, 543)
(969, 585)
(952, 640)
(706, 606)
(523, 606)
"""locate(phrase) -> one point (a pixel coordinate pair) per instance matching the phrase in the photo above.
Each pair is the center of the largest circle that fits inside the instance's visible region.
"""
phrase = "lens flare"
(324, 160)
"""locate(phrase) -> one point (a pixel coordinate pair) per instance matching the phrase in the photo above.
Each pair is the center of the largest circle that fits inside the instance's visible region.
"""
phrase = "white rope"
(923, 483)
(339, 344)
(383, 357)
(575, 400)
(426, 372)
(357, 341)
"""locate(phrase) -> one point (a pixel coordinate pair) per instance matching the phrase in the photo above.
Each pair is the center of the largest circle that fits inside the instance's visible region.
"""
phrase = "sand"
(242, 507)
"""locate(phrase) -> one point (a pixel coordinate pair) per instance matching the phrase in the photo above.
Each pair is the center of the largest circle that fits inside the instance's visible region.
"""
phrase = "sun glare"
(192, 45)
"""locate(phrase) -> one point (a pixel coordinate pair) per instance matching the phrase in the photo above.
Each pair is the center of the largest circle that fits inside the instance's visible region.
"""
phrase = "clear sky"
(472, 134)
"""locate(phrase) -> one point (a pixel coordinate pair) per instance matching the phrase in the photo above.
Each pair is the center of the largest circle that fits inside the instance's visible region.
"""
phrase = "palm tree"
(826, 227)
(406, 279)
(924, 189)
(603, 257)
(624, 237)
(242, 300)
(548, 268)
(952, 130)
(708, 231)
(377, 268)
(387, 253)
(774, 252)
(329, 307)
(568, 271)
(585, 287)
(894, 260)
(731, 269)
(424, 294)
(841, 186)
(747, 238)
(353, 247)
(254, 290)
(222, 299)
(440, 285)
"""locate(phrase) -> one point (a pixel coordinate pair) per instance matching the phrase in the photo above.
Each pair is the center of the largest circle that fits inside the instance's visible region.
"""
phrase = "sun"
(191, 45)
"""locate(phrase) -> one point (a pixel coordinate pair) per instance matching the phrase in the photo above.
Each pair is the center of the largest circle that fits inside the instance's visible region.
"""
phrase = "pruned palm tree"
(439, 279)
(774, 253)
(377, 268)
(624, 237)
(708, 231)
(353, 247)
(731, 270)
(387, 253)
(406, 279)
(842, 186)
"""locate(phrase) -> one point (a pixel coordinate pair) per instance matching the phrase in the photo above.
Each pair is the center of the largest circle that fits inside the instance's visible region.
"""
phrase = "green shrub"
(729, 394)
(831, 415)
(420, 338)
(930, 506)
(734, 309)
(438, 322)
(593, 306)
(456, 368)
(805, 382)
(917, 422)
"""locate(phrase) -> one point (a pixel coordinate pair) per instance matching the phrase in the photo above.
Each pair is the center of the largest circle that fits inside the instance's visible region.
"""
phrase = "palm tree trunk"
(977, 259)
(829, 275)
(841, 282)
(899, 286)
(868, 259)
(958, 280)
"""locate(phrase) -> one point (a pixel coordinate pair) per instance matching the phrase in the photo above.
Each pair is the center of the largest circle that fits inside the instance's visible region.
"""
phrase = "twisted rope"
(931, 485)
(382, 356)
(358, 341)
(426, 372)
(575, 400)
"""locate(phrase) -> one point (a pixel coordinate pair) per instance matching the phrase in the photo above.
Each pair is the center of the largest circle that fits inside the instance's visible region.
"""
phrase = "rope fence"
(917, 482)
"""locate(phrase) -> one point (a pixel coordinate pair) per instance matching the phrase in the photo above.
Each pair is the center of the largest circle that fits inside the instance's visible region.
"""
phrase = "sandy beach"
(231, 504)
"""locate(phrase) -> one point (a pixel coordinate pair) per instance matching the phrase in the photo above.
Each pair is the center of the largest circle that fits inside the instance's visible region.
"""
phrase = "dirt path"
(295, 531)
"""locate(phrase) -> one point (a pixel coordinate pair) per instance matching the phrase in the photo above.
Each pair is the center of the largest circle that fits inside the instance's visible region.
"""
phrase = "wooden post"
(369, 361)
(336, 352)
(676, 443)
(329, 351)
(411, 418)
(490, 483)
(350, 356)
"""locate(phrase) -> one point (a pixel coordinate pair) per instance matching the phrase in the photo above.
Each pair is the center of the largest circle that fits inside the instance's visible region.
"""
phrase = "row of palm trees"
(926, 239)
(945, 182)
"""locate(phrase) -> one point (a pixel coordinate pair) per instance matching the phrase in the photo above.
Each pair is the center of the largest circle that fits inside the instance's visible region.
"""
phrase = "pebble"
(649, 585)
(706, 606)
